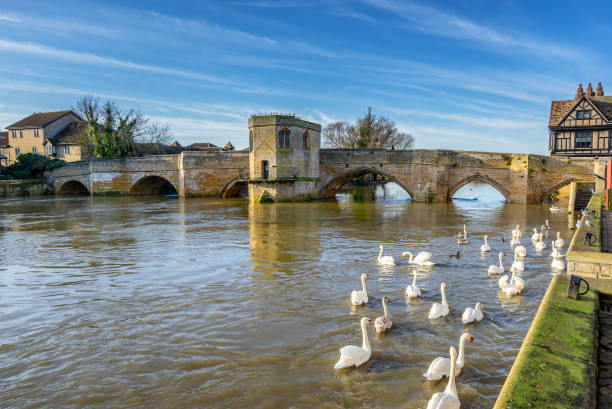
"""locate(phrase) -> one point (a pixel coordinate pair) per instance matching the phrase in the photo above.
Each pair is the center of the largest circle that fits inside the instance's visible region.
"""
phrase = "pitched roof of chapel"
(40, 119)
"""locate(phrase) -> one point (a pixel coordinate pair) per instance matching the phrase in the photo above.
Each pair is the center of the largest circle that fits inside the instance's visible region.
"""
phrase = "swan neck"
(486, 244)
(500, 262)
(450, 387)
(461, 356)
(380, 252)
(363, 286)
(443, 295)
(414, 280)
(364, 333)
(385, 309)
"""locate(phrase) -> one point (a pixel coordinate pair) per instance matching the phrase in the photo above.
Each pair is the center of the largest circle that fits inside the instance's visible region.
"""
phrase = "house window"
(36, 134)
(49, 150)
(283, 139)
(305, 136)
(14, 134)
(583, 114)
(17, 151)
(21, 134)
(35, 150)
(67, 149)
(584, 139)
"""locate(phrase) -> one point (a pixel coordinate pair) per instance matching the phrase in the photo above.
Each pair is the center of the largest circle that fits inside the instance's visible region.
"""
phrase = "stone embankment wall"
(24, 188)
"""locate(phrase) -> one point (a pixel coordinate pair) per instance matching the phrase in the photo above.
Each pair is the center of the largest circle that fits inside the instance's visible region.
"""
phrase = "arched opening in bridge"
(367, 185)
(479, 189)
(73, 187)
(236, 188)
(153, 186)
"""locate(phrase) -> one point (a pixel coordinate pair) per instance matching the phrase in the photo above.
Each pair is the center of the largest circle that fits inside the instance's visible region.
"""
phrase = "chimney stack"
(579, 92)
(589, 91)
(599, 91)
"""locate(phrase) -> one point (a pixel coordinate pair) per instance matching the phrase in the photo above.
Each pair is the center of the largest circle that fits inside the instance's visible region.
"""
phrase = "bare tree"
(110, 132)
(370, 131)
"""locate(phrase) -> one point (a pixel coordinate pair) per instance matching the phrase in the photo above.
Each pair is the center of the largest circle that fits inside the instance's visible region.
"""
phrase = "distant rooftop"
(39, 119)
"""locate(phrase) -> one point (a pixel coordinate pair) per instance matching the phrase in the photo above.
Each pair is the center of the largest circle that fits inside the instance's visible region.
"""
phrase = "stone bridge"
(427, 175)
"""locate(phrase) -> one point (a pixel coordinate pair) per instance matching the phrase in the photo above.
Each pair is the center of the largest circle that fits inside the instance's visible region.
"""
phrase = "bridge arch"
(153, 186)
(234, 188)
(480, 178)
(552, 189)
(72, 187)
(333, 186)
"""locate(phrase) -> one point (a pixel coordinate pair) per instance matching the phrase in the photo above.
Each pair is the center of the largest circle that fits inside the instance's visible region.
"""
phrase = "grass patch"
(557, 364)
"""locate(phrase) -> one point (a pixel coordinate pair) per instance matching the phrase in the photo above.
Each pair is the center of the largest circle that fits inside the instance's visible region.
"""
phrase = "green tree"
(112, 133)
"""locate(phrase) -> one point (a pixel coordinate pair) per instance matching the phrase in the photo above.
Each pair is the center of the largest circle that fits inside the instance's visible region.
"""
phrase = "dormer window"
(284, 140)
(583, 114)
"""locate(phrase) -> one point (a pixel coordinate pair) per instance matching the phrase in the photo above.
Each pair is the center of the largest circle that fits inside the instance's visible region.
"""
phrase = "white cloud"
(87, 58)
(432, 21)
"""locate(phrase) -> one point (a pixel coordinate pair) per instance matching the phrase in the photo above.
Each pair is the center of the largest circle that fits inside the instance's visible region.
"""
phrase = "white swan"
(439, 310)
(520, 251)
(515, 287)
(540, 245)
(535, 236)
(352, 355)
(485, 247)
(412, 291)
(461, 239)
(504, 281)
(517, 231)
(472, 314)
(546, 226)
(557, 264)
(518, 265)
(496, 270)
(385, 260)
(383, 323)
(447, 399)
(464, 232)
(559, 243)
(360, 297)
(421, 259)
(440, 367)
(556, 253)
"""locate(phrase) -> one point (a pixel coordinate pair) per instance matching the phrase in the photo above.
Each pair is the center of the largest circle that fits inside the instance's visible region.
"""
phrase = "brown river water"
(202, 303)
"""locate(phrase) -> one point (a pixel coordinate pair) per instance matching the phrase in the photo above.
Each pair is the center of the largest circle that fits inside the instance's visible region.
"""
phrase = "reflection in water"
(155, 302)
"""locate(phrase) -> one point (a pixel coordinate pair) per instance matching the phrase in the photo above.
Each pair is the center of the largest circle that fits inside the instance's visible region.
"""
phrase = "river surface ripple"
(124, 302)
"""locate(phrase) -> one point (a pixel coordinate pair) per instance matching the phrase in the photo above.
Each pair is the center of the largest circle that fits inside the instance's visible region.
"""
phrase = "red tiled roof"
(559, 109)
(39, 119)
(70, 134)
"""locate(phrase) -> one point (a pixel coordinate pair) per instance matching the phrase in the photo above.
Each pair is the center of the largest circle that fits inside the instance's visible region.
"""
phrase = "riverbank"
(24, 188)
(556, 366)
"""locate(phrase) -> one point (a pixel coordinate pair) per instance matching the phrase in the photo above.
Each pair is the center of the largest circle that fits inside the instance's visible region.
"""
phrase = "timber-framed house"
(581, 126)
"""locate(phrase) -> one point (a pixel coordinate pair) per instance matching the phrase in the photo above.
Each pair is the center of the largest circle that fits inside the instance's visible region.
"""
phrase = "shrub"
(31, 166)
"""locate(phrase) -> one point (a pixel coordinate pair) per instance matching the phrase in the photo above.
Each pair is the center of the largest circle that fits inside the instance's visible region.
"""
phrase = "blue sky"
(467, 74)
